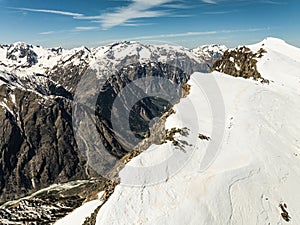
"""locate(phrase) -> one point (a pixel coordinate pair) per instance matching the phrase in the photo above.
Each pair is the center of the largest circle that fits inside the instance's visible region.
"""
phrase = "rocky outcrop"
(49, 205)
(239, 62)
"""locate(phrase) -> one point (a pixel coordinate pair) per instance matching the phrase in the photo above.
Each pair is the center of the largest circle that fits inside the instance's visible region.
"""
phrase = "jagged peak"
(124, 42)
(20, 44)
(214, 51)
(214, 46)
(82, 48)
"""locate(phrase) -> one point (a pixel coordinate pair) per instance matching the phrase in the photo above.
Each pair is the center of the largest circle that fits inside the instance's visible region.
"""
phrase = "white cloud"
(218, 12)
(132, 24)
(174, 35)
(47, 32)
(273, 2)
(121, 16)
(186, 34)
(135, 10)
(51, 12)
(177, 6)
(209, 1)
(85, 28)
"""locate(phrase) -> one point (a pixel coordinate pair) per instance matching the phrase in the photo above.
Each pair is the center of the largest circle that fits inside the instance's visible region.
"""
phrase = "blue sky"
(190, 23)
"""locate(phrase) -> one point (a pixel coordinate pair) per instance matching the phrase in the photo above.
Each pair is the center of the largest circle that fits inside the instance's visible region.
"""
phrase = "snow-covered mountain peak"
(273, 40)
(272, 44)
(24, 59)
(261, 142)
(119, 54)
(20, 44)
(81, 48)
(214, 51)
(22, 53)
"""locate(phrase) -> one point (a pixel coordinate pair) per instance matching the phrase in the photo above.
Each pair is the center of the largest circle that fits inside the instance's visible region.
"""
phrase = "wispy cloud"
(174, 35)
(136, 24)
(65, 13)
(47, 32)
(137, 9)
(273, 2)
(177, 6)
(209, 1)
(85, 28)
(186, 34)
(218, 12)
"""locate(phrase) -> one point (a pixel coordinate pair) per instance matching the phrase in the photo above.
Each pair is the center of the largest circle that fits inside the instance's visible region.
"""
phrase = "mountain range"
(224, 151)
(38, 85)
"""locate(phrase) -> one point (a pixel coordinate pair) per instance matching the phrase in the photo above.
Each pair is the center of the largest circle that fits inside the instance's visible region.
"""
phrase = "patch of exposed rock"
(49, 205)
(240, 62)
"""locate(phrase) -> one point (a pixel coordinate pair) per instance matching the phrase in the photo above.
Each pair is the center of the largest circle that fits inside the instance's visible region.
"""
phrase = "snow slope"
(257, 166)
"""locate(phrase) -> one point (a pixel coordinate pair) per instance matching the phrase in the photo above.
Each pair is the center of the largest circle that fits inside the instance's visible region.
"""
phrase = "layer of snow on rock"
(23, 59)
(78, 216)
(257, 167)
(209, 51)
(120, 54)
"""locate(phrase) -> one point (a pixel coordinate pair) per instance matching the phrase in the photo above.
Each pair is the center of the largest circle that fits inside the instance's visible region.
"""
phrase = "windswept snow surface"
(258, 163)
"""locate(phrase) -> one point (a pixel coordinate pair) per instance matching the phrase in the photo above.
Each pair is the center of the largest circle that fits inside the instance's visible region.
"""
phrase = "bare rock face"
(143, 111)
(240, 62)
(37, 145)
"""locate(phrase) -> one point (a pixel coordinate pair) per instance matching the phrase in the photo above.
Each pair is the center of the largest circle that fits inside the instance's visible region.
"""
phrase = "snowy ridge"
(278, 46)
(118, 55)
(257, 166)
(29, 62)
(280, 64)
(23, 59)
